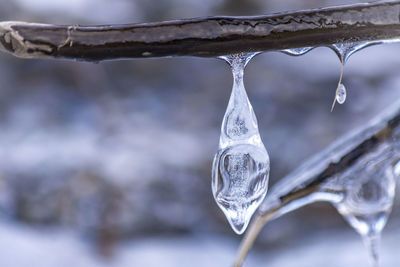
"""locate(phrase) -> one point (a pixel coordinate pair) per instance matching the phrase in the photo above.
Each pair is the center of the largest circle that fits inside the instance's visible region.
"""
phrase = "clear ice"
(241, 166)
(297, 51)
(344, 51)
(368, 199)
(341, 94)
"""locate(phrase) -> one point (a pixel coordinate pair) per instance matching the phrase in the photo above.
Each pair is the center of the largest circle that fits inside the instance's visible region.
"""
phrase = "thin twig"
(251, 235)
(204, 37)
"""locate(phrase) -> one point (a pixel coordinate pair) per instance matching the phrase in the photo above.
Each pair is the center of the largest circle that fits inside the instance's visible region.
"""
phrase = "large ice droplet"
(240, 182)
(241, 166)
(341, 94)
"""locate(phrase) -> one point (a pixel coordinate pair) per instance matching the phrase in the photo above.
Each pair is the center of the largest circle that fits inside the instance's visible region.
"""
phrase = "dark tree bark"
(203, 37)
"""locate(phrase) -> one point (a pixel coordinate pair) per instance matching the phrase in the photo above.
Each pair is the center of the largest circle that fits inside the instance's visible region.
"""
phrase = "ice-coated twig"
(307, 184)
(339, 83)
(204, 37)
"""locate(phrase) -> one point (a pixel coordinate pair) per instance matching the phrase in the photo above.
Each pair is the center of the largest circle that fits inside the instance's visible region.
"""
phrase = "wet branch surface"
(203, 37)
(311, 176)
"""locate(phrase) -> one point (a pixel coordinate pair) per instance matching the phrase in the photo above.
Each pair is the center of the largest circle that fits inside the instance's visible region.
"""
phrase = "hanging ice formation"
(368, 199)
(241, 166)
(340, 93)
(344, 51)
(297, 51)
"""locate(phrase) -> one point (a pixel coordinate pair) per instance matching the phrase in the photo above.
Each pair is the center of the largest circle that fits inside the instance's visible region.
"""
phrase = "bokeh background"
(109, 164)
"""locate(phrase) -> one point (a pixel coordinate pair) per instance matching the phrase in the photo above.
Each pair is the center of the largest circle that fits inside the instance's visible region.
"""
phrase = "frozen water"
(368, 198)
(241, 166)
(372, 242)
(345, 50)
(341, 94)
(297, 51)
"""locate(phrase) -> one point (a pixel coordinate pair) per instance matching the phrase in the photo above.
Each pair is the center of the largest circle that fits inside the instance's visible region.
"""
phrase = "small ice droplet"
(341, 94)
(241, 166)
(297, 51)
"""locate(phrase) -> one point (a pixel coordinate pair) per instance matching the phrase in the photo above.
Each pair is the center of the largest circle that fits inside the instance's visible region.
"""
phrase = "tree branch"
(204, 37)
(308, 183)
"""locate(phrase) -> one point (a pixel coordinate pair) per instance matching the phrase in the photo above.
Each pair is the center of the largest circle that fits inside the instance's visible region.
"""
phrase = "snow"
(23, 246)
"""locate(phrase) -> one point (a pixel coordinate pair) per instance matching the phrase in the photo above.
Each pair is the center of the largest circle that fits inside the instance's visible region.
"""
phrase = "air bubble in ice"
(241, 166)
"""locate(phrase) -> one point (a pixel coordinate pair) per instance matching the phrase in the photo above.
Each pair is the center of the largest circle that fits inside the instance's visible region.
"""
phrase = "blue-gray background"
(109, 164)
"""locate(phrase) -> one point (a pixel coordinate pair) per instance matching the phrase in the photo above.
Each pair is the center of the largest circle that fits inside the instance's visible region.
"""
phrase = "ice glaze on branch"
(203, 37)
(307, 184)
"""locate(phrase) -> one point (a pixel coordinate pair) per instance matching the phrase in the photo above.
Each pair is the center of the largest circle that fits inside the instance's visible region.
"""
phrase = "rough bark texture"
(204, 37)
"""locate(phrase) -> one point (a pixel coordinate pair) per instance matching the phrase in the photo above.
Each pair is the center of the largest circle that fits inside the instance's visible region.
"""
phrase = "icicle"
(370, 228)
(344, 51)
(241, 166)
(368, 199)
(297, 51)
(340, 93)
(372, 243)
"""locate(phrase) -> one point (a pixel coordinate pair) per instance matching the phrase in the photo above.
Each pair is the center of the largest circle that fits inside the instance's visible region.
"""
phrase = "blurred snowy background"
(109, 164)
